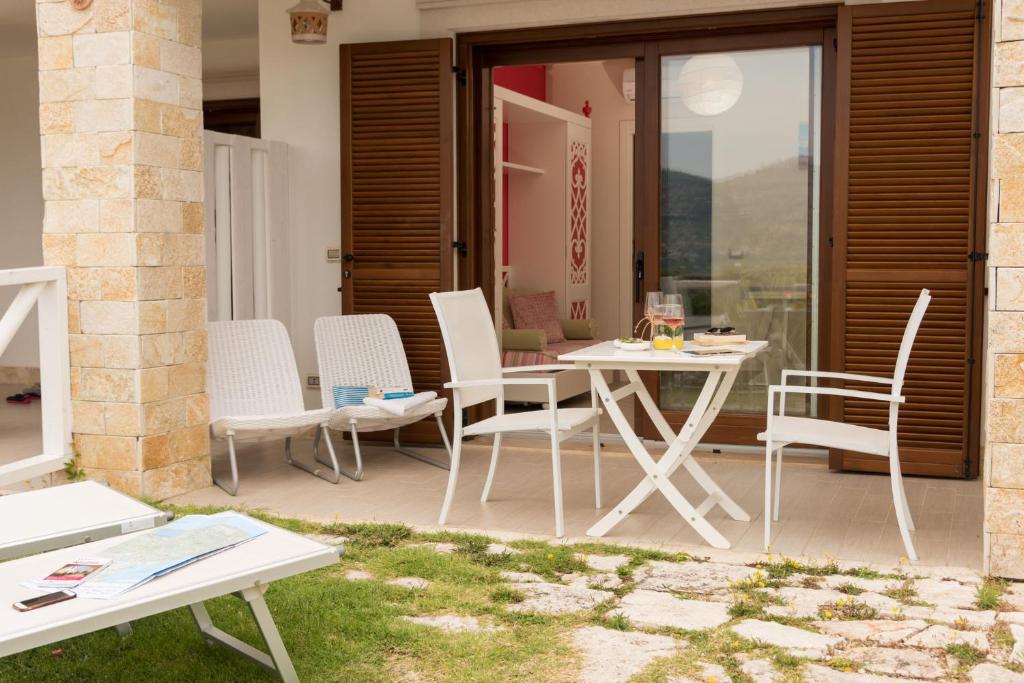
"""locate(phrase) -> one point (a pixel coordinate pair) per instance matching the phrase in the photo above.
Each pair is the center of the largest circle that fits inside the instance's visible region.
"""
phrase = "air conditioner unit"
(629, 84)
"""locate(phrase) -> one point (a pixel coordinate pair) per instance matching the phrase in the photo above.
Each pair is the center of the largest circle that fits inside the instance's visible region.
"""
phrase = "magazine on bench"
(160, 551)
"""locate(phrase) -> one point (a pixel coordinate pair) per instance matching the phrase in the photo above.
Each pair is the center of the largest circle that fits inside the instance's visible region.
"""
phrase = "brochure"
(160, 551)
(68, 576)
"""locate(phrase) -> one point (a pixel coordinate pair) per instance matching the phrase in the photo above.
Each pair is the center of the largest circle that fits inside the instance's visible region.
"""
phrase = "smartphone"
(43, 601)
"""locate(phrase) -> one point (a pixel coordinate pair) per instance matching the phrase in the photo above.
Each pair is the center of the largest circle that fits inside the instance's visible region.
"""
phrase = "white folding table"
(61, 516)
(245, 570)
(722, 371)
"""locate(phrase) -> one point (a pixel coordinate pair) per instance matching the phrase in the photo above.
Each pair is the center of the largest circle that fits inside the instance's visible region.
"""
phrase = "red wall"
(530, 81)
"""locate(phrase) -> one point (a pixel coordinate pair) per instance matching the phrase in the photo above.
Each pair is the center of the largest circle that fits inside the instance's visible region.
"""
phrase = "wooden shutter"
(397, 190)
(905, 219)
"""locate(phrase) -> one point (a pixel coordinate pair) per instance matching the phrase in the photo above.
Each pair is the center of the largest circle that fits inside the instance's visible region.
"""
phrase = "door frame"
(737, 428)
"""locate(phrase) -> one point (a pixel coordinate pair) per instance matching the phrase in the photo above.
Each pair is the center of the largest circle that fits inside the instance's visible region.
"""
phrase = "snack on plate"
(719, 339)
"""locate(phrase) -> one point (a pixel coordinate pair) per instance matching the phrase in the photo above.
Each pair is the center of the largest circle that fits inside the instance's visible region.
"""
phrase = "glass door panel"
(739, 205)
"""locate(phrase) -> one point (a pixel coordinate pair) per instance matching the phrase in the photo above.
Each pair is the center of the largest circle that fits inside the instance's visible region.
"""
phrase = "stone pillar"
(120, 114)
(1004, 452)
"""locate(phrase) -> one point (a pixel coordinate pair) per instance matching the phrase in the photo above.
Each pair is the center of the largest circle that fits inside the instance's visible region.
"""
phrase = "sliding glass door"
(738, 212)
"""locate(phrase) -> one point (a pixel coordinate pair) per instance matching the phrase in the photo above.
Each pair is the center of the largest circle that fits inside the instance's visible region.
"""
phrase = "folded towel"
(399, 406)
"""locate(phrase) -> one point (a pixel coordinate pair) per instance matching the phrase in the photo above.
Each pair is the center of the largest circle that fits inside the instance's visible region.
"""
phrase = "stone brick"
(153, 384)
(190, 29)
(160, 349)
(94, 182)
(55, 52)
(156, 19)
(1008, 155)
(192, 155)
(193, 217)
(1012, 21)
(185, 314)
(150, 248)
(126, 481)
(1005, 332)
(173, 480)
(110, 317)
(64, 85)
(155, 451)
(117, 215)
(86, 350)
(183, 60)
(186, 379)
(1006, 245)
(104, 384)
(1005, 553)
(193, 346)
(160, 282)
(152, 317)
(157, 150)
(60, 18)
(102, 49)
(111, 15)
(123, 419)
(1010, 289)
(193, 282)
(1009, 376)
(121, 351)
(1007, 463)
(197, 410)
(148, 183)
(181, 122)
(148, 116)
(181, 185)
(106, 249)
(184, 250)
(97, 116)
(56, 117)
(115, 148)
(190, 92)
(114, 82)
(74, 317)
(85, 284)
(59, 250)
(152, 84)
(146, 51)
(163, 416)
(189, 443)
(107, 452)
(158, 215)
(80, 215)
(75, 149)
(87, 417)
(1008, 58)
(119, 284)
(1004, 511)
(1011, 110)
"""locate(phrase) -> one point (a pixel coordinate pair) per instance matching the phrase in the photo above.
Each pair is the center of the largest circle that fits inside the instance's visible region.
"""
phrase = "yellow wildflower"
(828, 614)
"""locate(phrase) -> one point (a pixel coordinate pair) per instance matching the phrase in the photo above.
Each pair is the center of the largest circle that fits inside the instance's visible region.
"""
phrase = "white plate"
(637, 346)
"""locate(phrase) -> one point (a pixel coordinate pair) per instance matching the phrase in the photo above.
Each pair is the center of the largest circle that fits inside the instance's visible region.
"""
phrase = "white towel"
(399, 406)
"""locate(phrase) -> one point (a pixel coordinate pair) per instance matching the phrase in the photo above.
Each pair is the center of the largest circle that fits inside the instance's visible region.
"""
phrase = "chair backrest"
(470, 342)
(359, 351)
(251, 369)
(913, 325)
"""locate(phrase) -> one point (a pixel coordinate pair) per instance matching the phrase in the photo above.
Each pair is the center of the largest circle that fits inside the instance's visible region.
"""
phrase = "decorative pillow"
(537, 312)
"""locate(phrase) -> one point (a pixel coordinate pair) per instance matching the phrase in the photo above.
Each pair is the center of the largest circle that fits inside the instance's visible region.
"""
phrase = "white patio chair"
(783, 430)
(477, 377)
(367, 351)
(255, 393)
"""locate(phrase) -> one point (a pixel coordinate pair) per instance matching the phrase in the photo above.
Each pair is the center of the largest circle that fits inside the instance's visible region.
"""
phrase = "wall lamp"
(309, 20)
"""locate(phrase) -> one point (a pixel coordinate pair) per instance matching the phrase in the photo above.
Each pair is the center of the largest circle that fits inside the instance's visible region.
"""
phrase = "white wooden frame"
(46, 288)
(722, 373)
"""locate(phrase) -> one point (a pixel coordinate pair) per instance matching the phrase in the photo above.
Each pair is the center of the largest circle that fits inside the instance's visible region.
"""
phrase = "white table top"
(607, 355)
(32, 519)
(277, 554)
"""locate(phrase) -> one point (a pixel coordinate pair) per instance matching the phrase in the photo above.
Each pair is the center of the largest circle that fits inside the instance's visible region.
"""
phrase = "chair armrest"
(523, 340)
(786, 374)
(829, 391)
(578, 329)
(538, 368)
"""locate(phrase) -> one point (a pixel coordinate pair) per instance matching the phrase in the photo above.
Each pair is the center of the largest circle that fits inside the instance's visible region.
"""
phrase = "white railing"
(46, 288)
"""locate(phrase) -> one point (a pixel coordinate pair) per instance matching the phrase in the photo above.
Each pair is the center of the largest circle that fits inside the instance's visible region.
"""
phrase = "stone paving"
(788, 622)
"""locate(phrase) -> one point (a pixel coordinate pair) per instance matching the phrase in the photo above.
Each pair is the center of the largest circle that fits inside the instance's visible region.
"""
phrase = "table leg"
(277, 660)
(656, 479)
(700, 420)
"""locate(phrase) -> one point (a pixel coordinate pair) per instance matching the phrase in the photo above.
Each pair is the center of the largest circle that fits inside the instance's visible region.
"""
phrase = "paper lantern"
(309, 22)
(710, 84)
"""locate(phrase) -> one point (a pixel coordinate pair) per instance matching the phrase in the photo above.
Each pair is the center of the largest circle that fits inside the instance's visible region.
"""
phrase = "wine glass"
(651, 310)
(677, 318)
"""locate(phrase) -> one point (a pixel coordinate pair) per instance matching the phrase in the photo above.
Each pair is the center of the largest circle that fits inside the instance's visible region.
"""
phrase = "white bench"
(62, 516)
(245, 571)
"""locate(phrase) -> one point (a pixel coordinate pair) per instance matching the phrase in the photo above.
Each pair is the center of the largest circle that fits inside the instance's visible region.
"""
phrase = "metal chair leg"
(230, 488)
(331, 476)
(357, 474)
(492, 468)
(419, 456)
(335, 463)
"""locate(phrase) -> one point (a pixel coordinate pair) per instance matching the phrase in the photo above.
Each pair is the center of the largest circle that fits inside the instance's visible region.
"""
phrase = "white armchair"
(474, 361)
(783, 430)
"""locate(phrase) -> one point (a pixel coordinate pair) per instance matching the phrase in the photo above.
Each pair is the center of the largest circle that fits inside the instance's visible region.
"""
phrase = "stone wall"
(120, 113)
(1004, 467)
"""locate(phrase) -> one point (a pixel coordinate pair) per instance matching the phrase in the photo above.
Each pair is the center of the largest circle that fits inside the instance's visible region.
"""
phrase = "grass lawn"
(341, 630)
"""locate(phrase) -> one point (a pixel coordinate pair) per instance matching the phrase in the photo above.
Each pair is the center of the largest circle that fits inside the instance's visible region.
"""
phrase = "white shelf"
(521, 168)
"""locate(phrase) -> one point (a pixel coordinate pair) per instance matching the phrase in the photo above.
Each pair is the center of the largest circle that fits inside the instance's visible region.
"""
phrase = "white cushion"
(269, 426)
(531, 420)
(829, 434)
(373, 419)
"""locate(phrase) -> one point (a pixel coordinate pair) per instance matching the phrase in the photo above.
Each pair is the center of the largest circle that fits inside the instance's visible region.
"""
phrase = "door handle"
(348, 257)
(638, 276)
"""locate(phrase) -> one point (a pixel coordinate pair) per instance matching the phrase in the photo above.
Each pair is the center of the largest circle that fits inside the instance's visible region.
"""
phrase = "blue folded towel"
(349, 396)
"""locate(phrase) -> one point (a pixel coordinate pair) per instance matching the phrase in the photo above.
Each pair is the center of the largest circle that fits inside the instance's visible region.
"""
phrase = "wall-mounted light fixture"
(309, 20)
